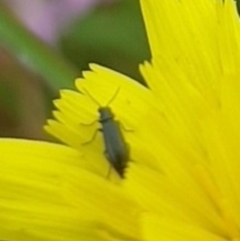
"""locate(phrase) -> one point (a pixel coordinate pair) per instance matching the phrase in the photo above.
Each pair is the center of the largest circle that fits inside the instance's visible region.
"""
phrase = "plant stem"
(50, 65)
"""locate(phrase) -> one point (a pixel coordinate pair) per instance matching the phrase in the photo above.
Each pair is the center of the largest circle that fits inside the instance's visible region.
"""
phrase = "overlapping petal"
(47, 194)
(193, 184)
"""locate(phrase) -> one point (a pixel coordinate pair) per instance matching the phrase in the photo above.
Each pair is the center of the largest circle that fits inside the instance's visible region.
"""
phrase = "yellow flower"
(182, 176)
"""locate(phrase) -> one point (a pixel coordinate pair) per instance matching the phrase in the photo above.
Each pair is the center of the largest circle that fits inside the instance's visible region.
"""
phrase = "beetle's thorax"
(105, 114)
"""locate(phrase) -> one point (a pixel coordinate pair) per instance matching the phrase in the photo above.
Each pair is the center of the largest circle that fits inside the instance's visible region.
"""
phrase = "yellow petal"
(35, 204)
(161, 228)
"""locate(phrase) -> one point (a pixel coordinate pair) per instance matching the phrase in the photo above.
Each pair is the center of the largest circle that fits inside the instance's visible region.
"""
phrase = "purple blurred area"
(49, 18)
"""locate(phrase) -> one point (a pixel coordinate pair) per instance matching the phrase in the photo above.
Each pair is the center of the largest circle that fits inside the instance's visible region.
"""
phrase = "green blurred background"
(45, 44)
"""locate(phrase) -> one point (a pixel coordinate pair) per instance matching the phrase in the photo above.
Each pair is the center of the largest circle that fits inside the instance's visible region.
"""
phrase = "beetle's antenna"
(85, 91)
(114, 96)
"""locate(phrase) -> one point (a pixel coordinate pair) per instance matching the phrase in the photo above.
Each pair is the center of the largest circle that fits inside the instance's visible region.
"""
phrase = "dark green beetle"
(116, 149)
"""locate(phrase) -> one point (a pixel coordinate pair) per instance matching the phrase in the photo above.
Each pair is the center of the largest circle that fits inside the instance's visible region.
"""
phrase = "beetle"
(116, 149)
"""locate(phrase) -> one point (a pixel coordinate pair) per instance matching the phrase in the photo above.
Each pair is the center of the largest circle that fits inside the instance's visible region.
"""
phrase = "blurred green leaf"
(112, 35)
(56, 70)
(8, 98)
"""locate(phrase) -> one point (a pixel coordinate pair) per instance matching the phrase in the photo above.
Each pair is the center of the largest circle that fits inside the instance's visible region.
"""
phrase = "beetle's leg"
(92, 139)
(125, 128)
(90, 123)
(109, 171)
(110, 166)
(106, 155)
